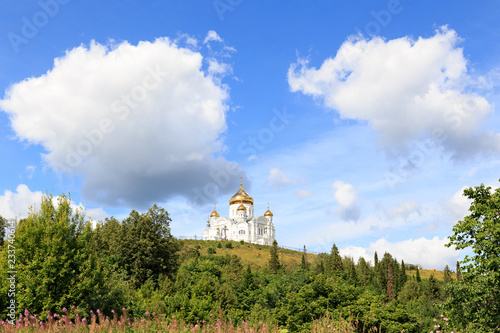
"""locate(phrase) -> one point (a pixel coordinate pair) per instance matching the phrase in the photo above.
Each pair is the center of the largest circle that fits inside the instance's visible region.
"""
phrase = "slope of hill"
(257, 256)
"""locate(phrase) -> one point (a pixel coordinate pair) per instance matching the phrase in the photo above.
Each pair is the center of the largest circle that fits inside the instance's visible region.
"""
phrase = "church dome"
(242, 208)
(268, 212)
(214, 213)
(241, 197)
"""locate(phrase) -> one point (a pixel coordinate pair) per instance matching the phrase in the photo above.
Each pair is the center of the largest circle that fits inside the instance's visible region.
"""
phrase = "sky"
(359, 122)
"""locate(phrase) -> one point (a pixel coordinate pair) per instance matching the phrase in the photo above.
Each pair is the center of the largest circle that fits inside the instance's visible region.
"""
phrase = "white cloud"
(430, 253)
(278, 178)
(406, 89)
(212, 36)
(404, 209)
(14, 205)
(303, 194)
(346, 198)
(458, 205)
(141, 122)
(30, 170)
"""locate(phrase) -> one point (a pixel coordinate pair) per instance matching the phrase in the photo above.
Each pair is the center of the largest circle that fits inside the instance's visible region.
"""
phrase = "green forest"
(53, 260)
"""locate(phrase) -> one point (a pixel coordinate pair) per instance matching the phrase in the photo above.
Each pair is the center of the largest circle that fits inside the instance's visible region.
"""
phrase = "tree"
(459, 274)
(141, 245)
(3, 224)
(390, 283)
(403, 277)
(447, 274)
(417, 276)
(335, 259)
(274, 261)
(54, 263)
(304, 265)
(433, 289)
(476, 299)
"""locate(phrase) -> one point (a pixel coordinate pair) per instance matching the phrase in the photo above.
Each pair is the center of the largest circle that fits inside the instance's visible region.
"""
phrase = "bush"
(229, 245)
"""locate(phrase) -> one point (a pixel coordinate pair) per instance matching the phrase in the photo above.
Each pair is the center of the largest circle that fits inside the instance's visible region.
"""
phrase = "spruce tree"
(336, 259)
(376, 259)
(390, 283)
(303, 264)
(447, 274)
(418, 276)
(274, 261)
(403, 276)
(459, 274)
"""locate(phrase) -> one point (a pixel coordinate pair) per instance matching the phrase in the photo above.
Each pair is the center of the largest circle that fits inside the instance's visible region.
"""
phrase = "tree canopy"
(476, 299)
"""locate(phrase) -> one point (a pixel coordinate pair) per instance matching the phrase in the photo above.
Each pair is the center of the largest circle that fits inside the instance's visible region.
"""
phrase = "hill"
(257, 256)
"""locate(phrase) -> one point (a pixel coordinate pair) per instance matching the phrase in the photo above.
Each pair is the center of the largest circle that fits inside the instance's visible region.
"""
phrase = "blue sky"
(360, 122)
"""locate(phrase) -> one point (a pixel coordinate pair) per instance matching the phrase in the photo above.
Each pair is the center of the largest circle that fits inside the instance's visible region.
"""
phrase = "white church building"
(241, 225)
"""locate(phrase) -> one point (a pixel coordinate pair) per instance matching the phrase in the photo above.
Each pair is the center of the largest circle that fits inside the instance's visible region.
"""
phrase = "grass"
(257, 256)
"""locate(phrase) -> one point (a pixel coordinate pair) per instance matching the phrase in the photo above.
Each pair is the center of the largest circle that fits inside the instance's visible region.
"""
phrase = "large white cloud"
(406, 89)
(141, 123)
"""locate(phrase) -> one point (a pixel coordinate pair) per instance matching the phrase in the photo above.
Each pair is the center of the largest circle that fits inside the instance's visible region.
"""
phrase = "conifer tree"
(274, 261)
(390, 283)
(403, 276)
(417, 276)
(304, 265)
(376, 259)
(459, 273)
(3, 224)
(447, 274)
(335, 259)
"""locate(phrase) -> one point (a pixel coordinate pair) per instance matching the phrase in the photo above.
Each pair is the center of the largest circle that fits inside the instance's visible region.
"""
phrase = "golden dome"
(241, 197)
(214, 213)
(268, 212)
(241, 207)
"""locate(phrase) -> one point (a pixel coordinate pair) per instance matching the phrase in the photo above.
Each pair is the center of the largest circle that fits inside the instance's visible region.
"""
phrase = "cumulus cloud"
(17, 205)
(405, 89)
(142, 123)
(430, 253)
(278, 178)
(458, 205)
(346, 198)
(404, 209)
(14, 205)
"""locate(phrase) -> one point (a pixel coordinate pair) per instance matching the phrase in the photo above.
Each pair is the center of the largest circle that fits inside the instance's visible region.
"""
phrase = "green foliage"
(475, 301)
(141, 247)
(54, 265)
(274, 261)
(135, 263)
(3, 225)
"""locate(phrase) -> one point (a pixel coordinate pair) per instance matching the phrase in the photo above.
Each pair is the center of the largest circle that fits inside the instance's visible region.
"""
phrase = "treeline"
(60, 261)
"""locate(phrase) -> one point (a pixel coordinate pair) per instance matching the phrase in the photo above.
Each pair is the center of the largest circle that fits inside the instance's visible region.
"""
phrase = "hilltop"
(257, 256)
